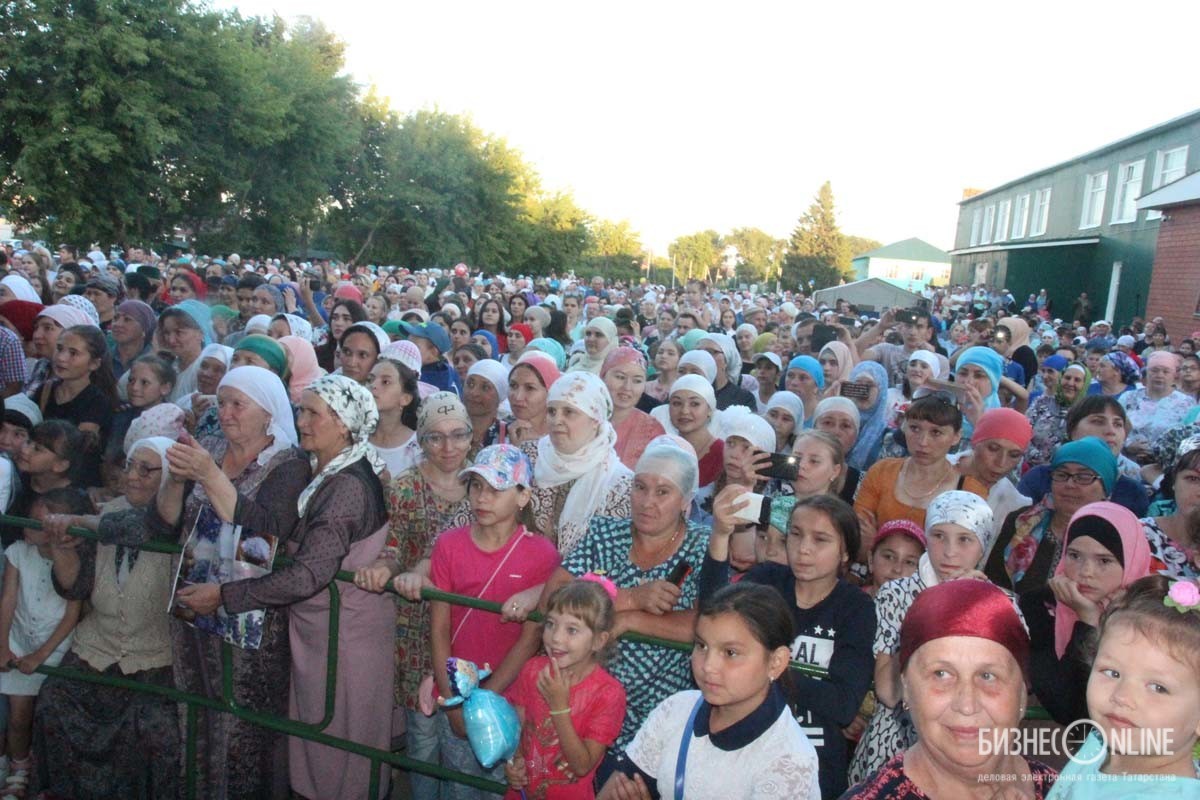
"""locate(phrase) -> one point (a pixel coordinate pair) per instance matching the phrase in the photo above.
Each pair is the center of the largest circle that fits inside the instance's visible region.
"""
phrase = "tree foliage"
(857, 245)
(759, 253)
(817, 254)
(696, 255)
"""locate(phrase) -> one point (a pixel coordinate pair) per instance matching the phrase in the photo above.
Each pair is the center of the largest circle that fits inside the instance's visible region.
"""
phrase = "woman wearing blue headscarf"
(979, 371)
(185, 329)
(551, 348)
(488, 343)
(872, 413)
(805, 379)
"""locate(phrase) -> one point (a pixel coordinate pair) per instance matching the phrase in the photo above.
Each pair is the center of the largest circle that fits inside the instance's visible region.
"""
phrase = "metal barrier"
(314, 731)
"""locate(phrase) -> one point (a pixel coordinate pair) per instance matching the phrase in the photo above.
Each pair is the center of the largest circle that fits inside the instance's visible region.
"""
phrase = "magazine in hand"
(217, 552)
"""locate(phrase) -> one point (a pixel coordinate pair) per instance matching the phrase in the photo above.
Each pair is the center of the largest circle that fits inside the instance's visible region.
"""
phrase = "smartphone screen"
(783, 466)
(854, 391)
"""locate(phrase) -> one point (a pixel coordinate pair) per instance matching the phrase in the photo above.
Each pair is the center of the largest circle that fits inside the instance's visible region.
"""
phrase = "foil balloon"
(492, 725)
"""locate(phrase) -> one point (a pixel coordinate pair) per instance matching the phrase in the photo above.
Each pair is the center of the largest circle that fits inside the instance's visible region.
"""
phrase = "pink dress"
(365, 674)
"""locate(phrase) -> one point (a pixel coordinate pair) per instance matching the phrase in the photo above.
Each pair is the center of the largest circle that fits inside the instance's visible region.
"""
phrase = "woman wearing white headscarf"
(290, 325)
(599, 338)
(958, 532)
(727, 385)
(576, 471)
(637, 551)
(125, 633)
(222, 488)
(691, 413)
(15, 287)
(697, 362)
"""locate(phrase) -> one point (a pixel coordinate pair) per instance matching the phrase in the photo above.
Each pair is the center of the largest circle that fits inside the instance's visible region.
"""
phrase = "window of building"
(1003, 212)
(892, 271)
(918, 274)
(1129, 189)
(976, 226)
(989, 221)
(1095, 187)
(1020, 217)
(1169, 165)
(1041, 212)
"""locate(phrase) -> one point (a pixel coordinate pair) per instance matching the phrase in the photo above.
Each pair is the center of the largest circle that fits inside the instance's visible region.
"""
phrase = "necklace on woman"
(656, 555)
(941, 479)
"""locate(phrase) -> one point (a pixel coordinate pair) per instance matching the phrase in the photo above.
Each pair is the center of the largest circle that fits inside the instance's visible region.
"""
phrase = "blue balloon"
(493, 729)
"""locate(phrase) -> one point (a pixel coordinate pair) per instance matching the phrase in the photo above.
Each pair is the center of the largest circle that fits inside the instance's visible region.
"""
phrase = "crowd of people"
(886, 533)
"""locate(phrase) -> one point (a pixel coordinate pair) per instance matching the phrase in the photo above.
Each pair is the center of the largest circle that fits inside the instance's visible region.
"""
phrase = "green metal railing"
(314, 731)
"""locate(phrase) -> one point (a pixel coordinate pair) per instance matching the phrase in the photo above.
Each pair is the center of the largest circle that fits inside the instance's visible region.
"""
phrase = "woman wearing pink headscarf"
(302, 365)
(1104, 550)
(1157, 407)
(624, 373)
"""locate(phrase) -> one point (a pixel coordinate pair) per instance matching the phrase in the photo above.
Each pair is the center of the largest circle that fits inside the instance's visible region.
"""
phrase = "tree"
(696, 255)
(857, 245)
(817, 255)
(758, 251)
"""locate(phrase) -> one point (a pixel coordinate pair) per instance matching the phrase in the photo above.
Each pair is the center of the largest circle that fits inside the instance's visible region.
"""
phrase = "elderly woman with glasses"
(422, 501)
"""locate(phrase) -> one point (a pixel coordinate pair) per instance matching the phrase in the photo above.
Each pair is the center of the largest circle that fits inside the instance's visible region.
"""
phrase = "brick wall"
(1175, 281)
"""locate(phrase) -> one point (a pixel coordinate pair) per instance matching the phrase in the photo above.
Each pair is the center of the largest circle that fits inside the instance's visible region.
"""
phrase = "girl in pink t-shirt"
(570, 708)
(493, 558)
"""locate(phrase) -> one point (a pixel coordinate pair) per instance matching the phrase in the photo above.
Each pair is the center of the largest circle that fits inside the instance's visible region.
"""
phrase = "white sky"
(685, 116)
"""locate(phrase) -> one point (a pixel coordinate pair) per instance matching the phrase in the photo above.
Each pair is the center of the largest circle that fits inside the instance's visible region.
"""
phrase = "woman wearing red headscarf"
(1104, 551)
(963, 655)
(624, 373)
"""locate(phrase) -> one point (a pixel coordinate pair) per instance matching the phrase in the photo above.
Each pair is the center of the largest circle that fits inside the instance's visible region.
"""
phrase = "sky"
(680, 117)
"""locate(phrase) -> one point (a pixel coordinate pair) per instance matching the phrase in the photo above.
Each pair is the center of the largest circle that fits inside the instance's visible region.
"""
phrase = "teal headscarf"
(990, 362)
(781, 512)
(268, 350)
(199, 313)
(690, 339)
(1092, 453)
(550, 348)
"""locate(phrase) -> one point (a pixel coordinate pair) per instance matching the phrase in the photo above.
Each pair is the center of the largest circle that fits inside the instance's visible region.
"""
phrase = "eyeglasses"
(140, 469)
(940, 395)
(440, 439)
(1078, 478)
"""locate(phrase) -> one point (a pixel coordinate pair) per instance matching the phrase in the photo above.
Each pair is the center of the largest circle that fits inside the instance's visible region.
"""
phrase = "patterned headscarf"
(621, 356)
(297, 325)
(164, 419)
(1125, 365)
(84, 305)
(438, 406)
(353, 404)
(959, 508)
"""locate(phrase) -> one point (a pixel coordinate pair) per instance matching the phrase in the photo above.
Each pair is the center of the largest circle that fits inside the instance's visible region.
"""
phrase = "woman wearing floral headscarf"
(624, 373)
(958, 532)
(577, 473)
(422, 501)
(1116, 374)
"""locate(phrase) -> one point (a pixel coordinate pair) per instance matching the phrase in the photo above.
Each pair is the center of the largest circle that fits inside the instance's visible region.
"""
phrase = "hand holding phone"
(783, 466)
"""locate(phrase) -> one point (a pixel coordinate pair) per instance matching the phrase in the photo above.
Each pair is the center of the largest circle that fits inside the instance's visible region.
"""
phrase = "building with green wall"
(1075, 227)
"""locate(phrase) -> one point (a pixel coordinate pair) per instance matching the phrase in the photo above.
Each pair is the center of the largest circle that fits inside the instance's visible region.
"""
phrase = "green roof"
(909, 250)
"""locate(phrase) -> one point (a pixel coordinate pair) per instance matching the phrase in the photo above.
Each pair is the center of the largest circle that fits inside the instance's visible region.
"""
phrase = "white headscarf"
(791, 403)
(741, 421)
(594, 468)
(733, 360)
(959, 508)
(218, 351)
(928, 359)
(581, 361)
(674, 459)
(21, 288)
(298, 325)
(703, 360)
(160, 445)
(259, 323)
(494, 373)
(689, 383)
(353, 404)
(265, 390)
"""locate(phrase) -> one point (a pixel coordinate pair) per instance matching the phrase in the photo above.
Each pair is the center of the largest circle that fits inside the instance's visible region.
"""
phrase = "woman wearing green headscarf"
(1048, 413)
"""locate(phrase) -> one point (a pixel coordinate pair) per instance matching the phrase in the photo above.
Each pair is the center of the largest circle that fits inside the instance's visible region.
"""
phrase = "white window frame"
(976, 225)
(1003, 215)
(1020, 222)
(1129, 189)
(1095, 192)
(1160, 176)
(1041, 211)
(989, 221)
